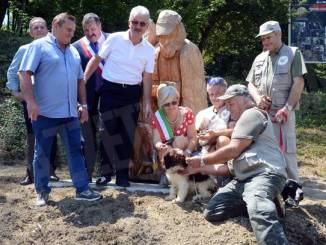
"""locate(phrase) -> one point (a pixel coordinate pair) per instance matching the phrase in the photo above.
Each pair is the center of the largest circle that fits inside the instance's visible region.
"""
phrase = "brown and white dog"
(181, 185)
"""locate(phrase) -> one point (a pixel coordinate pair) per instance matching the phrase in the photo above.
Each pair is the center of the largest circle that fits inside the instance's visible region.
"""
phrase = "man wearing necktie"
(88, 47)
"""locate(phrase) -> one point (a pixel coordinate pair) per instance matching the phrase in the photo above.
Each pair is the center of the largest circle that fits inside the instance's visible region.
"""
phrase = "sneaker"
(103, 180)
(42, 199)
(88, 195)
(54, 178)
(27, 181)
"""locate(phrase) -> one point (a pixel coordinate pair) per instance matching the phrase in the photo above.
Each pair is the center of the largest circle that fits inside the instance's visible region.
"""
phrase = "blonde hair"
(165, 91)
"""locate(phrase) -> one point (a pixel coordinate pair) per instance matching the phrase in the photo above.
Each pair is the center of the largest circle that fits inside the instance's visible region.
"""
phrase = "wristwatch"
(202, 163)
(289, 107)
(188, 152)
(84, 106)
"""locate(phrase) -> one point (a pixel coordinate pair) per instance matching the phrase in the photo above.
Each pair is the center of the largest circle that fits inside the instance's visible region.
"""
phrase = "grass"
(312, 151)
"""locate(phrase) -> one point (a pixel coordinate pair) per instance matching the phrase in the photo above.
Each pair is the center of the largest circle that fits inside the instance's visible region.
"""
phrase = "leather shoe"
(54, 178)
(103, 180)
(27, 181)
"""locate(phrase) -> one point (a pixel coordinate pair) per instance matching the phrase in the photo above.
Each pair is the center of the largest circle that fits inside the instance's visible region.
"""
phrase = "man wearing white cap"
(276, 82)
(179, 60)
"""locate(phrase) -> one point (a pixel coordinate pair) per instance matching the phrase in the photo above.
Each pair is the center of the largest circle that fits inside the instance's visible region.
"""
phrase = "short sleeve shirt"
(56, 74)
(12, 77)
(250, 125)
(188, 119)
(124, 61)
(210, 118)
(298, 67)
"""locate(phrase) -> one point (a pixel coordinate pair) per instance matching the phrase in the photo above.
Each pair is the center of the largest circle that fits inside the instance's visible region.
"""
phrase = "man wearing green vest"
(276, 82)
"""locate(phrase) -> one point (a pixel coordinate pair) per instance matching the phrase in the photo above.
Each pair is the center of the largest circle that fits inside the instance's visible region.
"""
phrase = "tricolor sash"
(90, 52)
(164, 128)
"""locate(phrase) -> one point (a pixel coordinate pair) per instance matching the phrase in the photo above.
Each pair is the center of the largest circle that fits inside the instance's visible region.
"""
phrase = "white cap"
(268, 27)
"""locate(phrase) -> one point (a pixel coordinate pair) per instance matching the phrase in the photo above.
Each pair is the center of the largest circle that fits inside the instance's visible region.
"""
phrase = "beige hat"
(268, 27)
(234, 90)
(167, 21)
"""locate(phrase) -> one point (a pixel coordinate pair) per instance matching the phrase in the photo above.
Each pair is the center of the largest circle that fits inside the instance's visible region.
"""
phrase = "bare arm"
(228, 152)
(191, 134)
(147, 92)
(214, 170)
(82, 100)
(296, 91)
(26, 87)
(91, 66)
(213, 134)
(262, 101)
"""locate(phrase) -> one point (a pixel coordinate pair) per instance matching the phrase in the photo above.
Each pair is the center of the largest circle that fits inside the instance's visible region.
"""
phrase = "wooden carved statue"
(178, 60)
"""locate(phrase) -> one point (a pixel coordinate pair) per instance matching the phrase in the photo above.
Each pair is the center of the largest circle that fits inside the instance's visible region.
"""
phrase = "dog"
(292, 193)
(181, 185)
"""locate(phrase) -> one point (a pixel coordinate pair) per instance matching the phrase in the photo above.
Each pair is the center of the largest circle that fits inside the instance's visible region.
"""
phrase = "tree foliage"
(224, 30)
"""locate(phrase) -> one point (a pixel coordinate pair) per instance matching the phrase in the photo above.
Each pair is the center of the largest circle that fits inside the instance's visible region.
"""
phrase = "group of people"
(248, 132)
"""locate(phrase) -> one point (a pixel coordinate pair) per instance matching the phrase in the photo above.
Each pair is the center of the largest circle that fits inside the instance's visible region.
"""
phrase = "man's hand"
(33, 110)
(147, 112)
(207, 135)
(83, 114)
(281, 116)
(193, 162)
(264, 102)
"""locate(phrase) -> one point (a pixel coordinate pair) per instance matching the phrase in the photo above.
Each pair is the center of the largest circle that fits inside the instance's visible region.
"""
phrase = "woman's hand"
(207, 135)
(163, 148)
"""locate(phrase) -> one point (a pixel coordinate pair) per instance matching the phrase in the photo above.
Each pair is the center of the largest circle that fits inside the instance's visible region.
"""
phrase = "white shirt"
(209, 118)
(124, 61)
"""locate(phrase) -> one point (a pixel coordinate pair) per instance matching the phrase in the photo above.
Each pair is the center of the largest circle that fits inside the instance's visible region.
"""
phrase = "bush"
(312, 111)
(12, 128)
(9, 44)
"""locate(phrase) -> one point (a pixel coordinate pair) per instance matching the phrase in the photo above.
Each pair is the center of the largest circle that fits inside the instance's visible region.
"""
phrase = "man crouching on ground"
(258, 166)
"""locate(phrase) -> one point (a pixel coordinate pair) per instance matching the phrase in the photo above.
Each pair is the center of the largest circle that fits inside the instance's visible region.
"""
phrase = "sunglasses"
(136, 22)
(174, 103)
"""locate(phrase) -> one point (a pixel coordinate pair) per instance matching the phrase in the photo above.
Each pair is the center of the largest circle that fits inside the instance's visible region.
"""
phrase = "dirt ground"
(138, 218)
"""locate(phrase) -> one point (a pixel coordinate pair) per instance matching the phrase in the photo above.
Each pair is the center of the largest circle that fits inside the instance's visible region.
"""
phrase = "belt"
(121, 85)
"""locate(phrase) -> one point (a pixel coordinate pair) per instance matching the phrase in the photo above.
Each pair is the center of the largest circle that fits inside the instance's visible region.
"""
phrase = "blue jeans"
(254, 197)
(45, 130)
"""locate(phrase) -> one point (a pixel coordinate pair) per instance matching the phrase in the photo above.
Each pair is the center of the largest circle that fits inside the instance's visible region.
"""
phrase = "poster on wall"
(308, 29)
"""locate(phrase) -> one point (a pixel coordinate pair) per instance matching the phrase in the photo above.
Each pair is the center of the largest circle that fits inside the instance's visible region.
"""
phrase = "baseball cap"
(268, 27)
(234, 90)
(167, 21)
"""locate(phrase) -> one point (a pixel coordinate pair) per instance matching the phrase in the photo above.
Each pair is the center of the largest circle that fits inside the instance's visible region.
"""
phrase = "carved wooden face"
(171, 43)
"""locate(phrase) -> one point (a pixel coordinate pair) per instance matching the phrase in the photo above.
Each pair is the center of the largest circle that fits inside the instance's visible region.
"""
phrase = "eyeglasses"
(136, 22)
(174, 103)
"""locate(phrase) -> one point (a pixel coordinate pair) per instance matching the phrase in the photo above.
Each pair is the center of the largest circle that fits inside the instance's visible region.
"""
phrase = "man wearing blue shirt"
(37, 29)
(52, 104)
